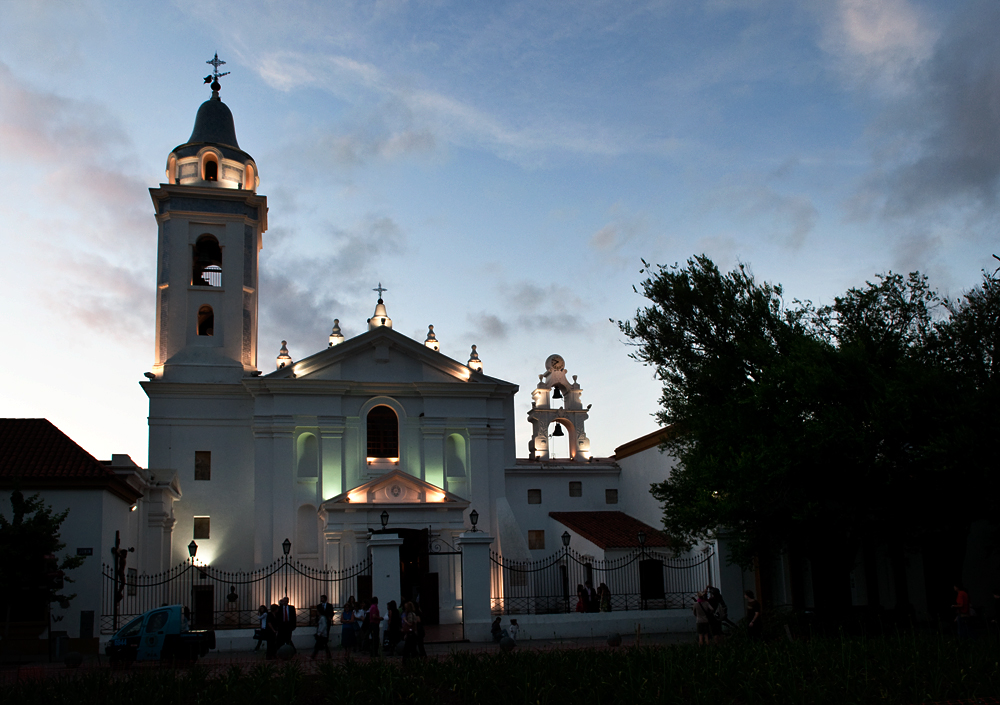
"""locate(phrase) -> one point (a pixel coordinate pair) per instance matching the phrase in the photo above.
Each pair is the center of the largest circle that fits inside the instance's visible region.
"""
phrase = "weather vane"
(214, 77)
(380, 290)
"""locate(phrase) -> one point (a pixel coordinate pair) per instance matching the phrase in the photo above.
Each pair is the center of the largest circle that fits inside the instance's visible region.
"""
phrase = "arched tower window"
(211, 168)
(206, 320)
(206, 262)
(383, 433)
(172, 170)
(308, 456)
(249, 179)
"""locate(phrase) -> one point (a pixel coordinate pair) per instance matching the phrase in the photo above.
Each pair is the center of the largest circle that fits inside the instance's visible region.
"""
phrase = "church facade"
(317, 449)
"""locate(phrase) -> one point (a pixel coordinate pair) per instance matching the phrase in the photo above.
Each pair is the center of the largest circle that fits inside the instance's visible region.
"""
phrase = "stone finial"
(432, 341)
(284, 359)
(474, 362)
(336, 337)
(380, 318)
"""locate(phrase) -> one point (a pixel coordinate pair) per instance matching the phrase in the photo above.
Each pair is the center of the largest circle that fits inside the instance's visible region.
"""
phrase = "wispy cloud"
(785, 218)
(97, 267)
(878, 44)
(298, 302)
(936, 148)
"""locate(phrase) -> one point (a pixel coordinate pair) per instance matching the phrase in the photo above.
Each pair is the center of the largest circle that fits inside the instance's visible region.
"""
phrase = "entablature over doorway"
(410, 502)
(395, 487)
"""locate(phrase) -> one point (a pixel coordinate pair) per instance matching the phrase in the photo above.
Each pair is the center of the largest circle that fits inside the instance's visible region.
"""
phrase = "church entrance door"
(416, 582)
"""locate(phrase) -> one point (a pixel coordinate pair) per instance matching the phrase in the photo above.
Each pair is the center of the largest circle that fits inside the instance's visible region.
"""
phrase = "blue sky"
(500, 167)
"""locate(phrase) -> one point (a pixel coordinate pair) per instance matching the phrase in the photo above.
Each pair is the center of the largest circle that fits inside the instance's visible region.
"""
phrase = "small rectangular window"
(536, 539)
(576, 489)
(611, 496)
(201, 527)
(203, 465)
(534, 496)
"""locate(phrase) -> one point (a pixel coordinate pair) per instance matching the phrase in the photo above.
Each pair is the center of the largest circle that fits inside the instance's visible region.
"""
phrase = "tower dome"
(212, 156)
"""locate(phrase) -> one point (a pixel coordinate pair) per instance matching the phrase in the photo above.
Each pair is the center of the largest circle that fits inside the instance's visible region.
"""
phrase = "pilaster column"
(433, 440)
(331, 431)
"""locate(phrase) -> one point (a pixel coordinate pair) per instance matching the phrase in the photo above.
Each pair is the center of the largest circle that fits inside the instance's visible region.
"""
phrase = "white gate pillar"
(730, 580)
(476, 612)
(385, 568)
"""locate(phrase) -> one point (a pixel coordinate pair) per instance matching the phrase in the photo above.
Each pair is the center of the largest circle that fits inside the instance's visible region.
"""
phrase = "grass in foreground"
(908, 669)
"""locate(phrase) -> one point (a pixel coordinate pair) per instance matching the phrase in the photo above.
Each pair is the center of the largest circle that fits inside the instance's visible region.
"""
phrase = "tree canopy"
(818, 429)
(33, 575)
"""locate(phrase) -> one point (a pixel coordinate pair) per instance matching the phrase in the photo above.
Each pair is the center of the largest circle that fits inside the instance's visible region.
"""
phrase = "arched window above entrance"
(383, 433)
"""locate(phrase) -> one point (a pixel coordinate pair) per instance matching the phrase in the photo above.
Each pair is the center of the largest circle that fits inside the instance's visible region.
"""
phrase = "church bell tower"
(211, 225)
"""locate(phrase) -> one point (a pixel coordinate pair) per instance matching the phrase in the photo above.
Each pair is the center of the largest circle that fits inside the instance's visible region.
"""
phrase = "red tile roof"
(610, 529)
(35, 453)
(650, 440)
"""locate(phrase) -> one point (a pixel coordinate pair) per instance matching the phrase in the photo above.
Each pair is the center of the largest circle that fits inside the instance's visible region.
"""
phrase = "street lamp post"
(642, 555)
(286, 546)
(565, 542)
(192, 552)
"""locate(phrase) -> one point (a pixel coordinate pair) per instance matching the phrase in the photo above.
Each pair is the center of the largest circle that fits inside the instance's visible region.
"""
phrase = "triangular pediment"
(383, 356)
(395, 487)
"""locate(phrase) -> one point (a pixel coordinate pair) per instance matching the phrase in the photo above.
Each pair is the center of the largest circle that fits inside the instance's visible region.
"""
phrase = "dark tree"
(32, 577)
(815, 431)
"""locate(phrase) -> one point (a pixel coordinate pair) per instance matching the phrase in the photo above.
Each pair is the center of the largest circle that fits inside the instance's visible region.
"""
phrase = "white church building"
(308, 459)
(315, 449)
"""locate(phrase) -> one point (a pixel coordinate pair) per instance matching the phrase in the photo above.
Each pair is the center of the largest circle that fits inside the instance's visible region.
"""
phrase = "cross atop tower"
(380, 290)
(214, 77)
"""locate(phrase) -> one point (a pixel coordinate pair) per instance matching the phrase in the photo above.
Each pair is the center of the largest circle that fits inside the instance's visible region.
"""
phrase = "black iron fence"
(638, 580)
(219, 599)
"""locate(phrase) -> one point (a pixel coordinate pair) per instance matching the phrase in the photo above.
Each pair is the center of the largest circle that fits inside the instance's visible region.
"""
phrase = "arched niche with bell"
(557, 403)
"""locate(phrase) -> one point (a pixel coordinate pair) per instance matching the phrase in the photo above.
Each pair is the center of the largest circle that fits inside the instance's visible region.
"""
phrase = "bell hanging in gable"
(556, 394)
(558, 431)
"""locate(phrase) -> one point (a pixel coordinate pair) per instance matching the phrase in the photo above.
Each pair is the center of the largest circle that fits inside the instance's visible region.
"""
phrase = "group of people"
(711, 612)
(276, 627)
(498, 632)
(365, 629)
(590, 600)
